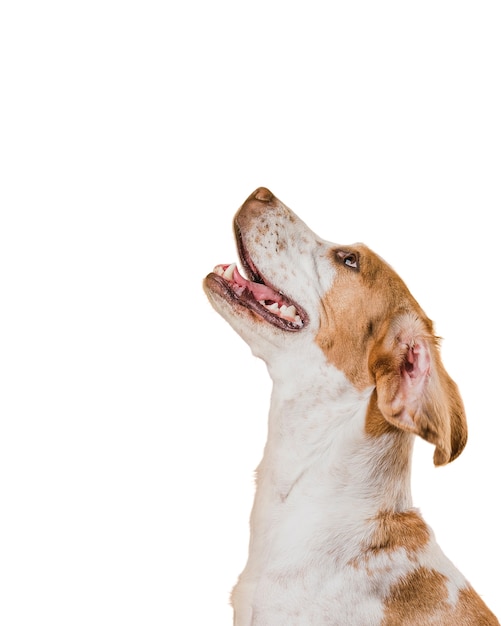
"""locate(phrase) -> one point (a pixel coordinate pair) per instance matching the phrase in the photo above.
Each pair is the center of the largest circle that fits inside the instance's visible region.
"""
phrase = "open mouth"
(258, 296)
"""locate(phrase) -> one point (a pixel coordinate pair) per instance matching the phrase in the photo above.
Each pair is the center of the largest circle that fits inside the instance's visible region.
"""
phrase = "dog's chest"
(317, 594)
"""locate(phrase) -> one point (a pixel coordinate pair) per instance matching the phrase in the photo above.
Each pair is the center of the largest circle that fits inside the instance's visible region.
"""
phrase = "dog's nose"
(263, 195)
(259, 202)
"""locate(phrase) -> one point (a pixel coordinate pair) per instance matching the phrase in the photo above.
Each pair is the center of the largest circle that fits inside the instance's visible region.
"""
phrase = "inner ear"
(414, 371)
(417, 361)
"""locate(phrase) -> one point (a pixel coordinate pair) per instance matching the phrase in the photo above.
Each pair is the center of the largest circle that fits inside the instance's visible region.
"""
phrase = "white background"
(132, 416)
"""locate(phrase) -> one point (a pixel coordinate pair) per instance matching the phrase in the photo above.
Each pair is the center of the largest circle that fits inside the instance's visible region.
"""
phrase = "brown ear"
(414, 392)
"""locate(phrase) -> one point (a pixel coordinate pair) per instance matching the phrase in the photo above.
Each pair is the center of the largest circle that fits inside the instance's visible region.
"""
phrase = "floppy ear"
(414, 392)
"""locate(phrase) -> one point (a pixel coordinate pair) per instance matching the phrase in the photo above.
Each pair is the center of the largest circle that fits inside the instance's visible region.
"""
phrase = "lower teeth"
(285, 312)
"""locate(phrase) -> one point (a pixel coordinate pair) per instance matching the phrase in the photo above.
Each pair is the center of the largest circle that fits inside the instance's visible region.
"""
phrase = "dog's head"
(304, 296)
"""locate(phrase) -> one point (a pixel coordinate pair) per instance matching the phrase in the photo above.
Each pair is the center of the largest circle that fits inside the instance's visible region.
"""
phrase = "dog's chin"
(255, 302)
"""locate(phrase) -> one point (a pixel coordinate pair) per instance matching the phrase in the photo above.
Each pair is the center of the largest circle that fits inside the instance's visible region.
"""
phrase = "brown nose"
(262, 194)
(260, 201)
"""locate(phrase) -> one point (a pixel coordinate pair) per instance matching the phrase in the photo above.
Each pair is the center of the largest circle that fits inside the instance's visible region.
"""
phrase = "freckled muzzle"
(255, 294)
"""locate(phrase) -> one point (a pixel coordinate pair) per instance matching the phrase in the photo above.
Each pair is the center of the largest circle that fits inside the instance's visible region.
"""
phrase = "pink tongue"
(260, 292)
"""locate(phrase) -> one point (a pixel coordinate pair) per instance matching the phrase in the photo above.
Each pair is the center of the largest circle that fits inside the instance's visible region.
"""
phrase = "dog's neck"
(321, 471)
(307, 434)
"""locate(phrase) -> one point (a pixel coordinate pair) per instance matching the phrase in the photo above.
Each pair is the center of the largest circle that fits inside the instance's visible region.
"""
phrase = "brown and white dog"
(356, 375)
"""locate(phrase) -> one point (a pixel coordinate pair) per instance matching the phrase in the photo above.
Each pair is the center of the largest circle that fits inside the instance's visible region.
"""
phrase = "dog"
(357, 374)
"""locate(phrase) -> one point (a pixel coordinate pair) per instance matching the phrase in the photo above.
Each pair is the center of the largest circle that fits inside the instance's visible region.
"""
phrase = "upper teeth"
(228, 273)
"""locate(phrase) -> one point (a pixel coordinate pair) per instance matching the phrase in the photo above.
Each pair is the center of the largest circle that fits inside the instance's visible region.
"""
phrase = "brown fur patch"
(393, 530)
(417, 598)
(472, 611)
(355, 308)
(405, 529)
(421, 597)
(372, 328)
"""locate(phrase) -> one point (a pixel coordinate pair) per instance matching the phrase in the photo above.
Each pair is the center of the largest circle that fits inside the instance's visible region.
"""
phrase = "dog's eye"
(350, 259)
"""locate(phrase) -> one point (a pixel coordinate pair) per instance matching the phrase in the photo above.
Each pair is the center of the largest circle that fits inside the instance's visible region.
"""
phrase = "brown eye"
(350, 259)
